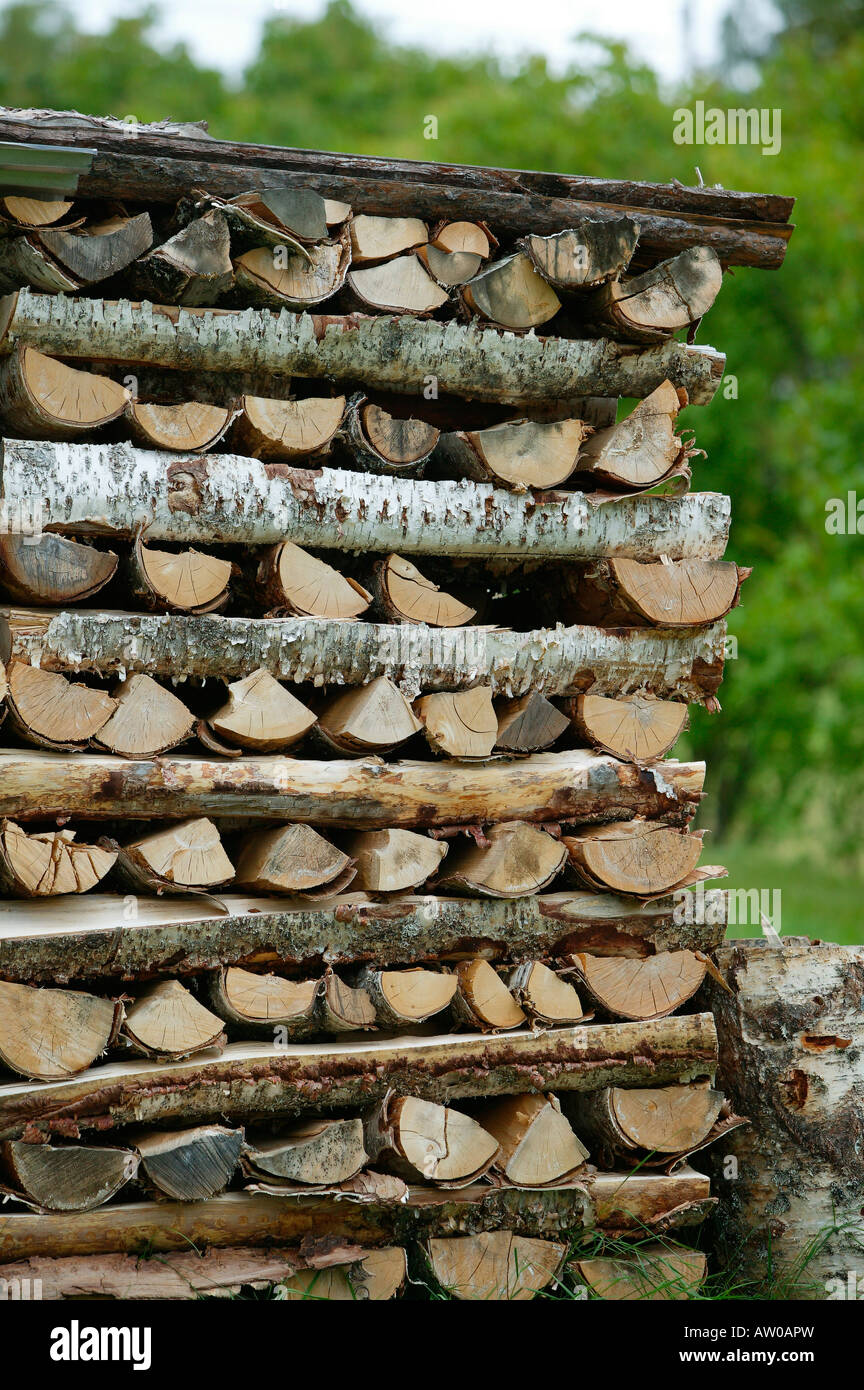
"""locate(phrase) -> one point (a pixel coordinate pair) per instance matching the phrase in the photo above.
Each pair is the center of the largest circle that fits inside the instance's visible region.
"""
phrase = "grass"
(818, 900)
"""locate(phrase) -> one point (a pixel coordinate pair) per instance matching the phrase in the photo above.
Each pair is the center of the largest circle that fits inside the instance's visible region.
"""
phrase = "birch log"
(686, 666)
(226, 499)
(389, 353)
(356, 794)
(791, 1038)
(136, 938)
(616, 1203)
(252, 1081)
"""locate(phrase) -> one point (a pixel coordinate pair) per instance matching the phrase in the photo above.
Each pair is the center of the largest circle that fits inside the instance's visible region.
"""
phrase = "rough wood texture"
(191, 936)
(352, 793)
(385, 352)
(225, 499)
(260, 1080)
(556, 661)
(791, 1045)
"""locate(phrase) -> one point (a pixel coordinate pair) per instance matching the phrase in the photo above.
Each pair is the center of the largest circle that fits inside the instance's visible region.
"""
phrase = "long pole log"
(396, 354)
(116, 939)
(227, 499)
(682, 665)
(250, 1081)
(576, 786)
(622, 1203)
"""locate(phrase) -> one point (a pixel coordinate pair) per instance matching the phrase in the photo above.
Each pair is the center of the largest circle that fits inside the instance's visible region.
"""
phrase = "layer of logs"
(348, 621)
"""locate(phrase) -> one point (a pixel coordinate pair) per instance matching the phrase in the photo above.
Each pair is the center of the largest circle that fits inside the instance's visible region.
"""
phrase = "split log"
(528, 724)
(467, 238)
(543, 995)
(538, 1147)
(404, 595)
(403, 998)
(194, 267)
(419, 1140)
(257, 1080)
(510, 294)
(634, 857)
(187, 1275)
(638, 1126)
(384, 443)
(559, 661)
(616, 1203)
(262, 715)
(386, 353)
(517, 454)
(459, 725)
(187, 582)
(659, 302)
(637, 728)
(41, 398)
(482, 1000)
(792, 1184)
(400, 286)
(316, 1153)
(656, 1273)
(293, 581)
(373, 718)
(186, 856)
(49, 864)
(293, 859)
(264, 276)
(99, 249)
(188, 936)
(23, 262)
(275, 216)
(378, 1276)
(516, 861)
(496, 1265)
(640, 450)
(278, 430)
(224, 499)
(258, 1004)
(166, 1022)
(190, 1165)
(147, 720)
(344, 1008)
(68, 1177)
(52, 569)
(47, 709)
(394, 861)
(571, 787)
(585, 255)
(32, 212)
(51, 1034)
(618, 593)
(192, 427)
(641, 989)
(449, 269)
(380, 238)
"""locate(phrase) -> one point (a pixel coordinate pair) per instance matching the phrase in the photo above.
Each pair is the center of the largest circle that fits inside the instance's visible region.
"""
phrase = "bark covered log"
(576, 786)
(386, 352)
(121, 938)
(225, 499)
(556, 661)
(251, 1081)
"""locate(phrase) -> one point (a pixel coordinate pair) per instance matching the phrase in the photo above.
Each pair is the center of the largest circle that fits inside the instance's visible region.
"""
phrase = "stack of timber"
(349, 623)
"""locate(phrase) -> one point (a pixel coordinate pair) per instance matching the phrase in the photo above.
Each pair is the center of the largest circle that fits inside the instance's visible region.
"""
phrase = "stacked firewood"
(342, 656)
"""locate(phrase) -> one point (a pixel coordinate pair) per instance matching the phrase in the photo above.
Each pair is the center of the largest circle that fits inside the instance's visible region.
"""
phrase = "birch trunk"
(125, 938)
(616, 1203)
(250, 1081)
(226, 499)
(686, 666)
(791, 1036)
(386, 352)
(356, 794)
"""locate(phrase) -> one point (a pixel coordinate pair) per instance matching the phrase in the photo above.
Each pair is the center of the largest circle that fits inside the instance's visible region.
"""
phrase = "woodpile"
(348, 702)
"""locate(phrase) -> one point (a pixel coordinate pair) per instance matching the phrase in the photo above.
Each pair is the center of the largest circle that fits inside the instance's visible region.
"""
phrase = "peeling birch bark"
(356, 794)
(226, 499)
(390, 353)
(685, 665)
(122, 938)
(250, 1081)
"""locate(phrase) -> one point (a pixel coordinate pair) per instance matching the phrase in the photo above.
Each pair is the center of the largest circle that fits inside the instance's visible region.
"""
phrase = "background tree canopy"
(786, 758)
